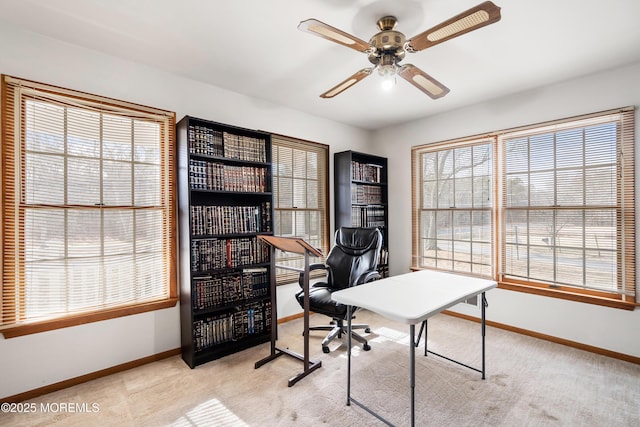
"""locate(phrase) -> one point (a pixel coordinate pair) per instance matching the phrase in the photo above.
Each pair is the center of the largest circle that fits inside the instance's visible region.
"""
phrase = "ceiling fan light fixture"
(388, 74)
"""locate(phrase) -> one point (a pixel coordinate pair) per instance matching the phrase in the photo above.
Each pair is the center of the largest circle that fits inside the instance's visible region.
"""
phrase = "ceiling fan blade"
(483, 14)
(333, 34)
(423, 81)
(346, 84)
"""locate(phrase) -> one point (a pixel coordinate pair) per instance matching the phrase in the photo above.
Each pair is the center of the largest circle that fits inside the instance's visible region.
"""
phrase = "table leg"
(349, 355)
(412, 371)
(483, 304)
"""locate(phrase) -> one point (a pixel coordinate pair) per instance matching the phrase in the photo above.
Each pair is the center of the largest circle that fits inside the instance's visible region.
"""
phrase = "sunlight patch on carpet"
(211, 412)
(388, 334)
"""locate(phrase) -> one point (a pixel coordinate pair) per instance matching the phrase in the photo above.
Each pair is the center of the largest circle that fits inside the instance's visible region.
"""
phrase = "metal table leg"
(412, 372)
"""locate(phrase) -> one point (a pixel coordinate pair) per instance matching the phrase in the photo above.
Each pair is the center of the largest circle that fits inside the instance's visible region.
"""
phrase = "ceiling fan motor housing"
(388, 43)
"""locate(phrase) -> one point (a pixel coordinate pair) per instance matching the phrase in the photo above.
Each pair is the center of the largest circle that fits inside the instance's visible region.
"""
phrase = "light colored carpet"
(529, 383)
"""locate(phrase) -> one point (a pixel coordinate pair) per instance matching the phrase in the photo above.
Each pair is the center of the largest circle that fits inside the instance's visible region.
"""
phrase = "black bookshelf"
(361, 196)
(225, 200)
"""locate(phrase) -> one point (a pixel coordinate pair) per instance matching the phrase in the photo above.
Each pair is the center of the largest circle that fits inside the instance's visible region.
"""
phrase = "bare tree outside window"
(455, 219)
(561, 206)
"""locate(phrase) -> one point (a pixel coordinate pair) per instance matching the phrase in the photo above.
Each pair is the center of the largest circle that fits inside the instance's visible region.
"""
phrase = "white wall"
(37, 360)
(611, 329)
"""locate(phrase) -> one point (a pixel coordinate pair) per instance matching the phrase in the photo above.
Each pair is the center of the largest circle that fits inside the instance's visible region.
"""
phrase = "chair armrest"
(312, 267)
(369, 276)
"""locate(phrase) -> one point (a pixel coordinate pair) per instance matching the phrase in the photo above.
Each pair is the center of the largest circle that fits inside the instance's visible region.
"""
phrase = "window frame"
(419, 209)
(625, 209)
(13, 127)
(288, 276)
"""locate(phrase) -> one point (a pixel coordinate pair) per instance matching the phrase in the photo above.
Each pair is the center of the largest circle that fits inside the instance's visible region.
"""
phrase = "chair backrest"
(355, 252)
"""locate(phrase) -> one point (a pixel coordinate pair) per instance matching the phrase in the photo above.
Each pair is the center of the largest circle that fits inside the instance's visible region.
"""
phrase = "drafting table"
(412, 298)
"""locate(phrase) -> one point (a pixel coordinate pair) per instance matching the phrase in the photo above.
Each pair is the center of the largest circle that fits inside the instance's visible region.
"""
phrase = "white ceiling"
(254, 48)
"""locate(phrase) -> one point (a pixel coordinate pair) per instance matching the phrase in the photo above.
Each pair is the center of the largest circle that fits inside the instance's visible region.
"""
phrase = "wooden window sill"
(83, 318)
(601, 300)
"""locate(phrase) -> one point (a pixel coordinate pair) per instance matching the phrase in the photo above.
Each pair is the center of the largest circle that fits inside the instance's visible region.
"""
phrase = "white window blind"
(455, 201)
(89, 190)
(300, 197)
(566, 192)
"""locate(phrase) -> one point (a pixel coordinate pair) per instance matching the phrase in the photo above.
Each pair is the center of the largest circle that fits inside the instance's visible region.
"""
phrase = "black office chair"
(351, 261)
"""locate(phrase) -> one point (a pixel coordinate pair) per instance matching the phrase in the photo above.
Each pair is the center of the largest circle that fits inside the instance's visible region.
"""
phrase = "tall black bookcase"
(361, 196)
(225, 200)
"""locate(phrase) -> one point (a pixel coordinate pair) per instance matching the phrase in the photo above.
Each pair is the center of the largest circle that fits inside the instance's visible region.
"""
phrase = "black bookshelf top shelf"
(197, 121)
(215, 142)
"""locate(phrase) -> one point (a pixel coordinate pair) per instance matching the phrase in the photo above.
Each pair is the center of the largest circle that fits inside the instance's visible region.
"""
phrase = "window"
(88, 208)
(563, 220)
(300, 182)
(456, 200)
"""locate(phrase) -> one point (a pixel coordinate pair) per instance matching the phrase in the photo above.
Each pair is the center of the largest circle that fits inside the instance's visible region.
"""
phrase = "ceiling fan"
(387, 48)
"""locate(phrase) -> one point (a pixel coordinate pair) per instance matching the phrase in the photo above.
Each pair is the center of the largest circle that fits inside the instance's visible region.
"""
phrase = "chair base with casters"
(321, 303)
(337, 328)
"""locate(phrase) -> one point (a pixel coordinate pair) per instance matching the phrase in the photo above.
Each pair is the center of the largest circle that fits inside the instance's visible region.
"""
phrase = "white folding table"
(412, 298)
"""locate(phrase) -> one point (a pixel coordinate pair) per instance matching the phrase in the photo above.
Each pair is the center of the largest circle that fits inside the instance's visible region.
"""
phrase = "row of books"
(205, 175)
(214, 254)
(366, 194)
(368, 216)
(246, 148)
(204, 140)
(210, 292)
(248, 320)
(230, 219)
(366, 172)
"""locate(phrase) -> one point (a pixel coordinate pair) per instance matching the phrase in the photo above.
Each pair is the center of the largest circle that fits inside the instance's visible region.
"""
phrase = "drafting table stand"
(298, 246)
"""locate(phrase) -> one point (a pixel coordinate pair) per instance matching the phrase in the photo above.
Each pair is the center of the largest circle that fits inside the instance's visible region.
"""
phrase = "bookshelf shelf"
(361, 196)
(225, 201)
